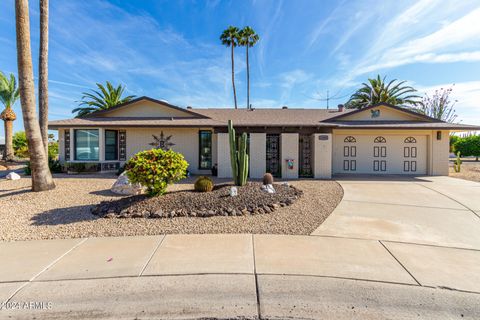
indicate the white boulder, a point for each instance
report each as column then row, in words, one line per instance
column 12, row 176
column 124, row 187
column 268, row 188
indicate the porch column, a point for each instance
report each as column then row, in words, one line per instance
column 289, row 150
column 322, row 155
column 258, row 155
column 101, row 144
column 223, row 156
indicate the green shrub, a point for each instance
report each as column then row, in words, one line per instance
column 468, row 146
column 155, row 169
column 53, row 150
column 54, row 165
column 203, row 184
column 453, row 140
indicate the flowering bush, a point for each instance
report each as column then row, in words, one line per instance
column 155, row 169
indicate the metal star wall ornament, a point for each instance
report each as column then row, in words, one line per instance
column 162, row 142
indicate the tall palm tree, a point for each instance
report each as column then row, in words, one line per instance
column 230, row 38
column 43, row 73
column 9, row 94
column 41, row 176
column 377, row 90
column 248, row 38
column 102, row 99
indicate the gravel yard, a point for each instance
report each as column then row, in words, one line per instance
column 65, row 211
column 470, row 170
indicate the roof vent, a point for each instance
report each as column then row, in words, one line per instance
column 340, row 107
column 285, row 107
column 163, row 100
column 189, row 107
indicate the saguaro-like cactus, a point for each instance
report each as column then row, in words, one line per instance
column 238, row 156
column 457, row 163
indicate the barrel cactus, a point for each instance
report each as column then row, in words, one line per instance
column 267, row 178
column 203, row 184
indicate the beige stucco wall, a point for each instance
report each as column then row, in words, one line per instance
column 440, row 150
column 258, row 154
column 322, row 156
column 432, row 155
column 145, row 108
column 289, row 150
column 386, row 113
column 185, row 140
column 223, row 156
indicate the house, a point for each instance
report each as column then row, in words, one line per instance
column 288, row 142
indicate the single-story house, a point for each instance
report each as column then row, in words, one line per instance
column 287, row 142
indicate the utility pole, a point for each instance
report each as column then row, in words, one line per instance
column 328, row 98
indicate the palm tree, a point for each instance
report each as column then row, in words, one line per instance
column 376, row 91
column 41, row 177
column 9, row 94
column 230, row 38
column 248, row 38
column 43, row 73
column 102, row 99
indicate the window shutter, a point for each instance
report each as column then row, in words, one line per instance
column 67, row 145
column 122, row 145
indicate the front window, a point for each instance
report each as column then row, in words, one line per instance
column 205, row 149
column 111, row 145
column 86, row 144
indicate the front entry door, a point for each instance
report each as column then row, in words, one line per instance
column 273, row 155
column 305, row 153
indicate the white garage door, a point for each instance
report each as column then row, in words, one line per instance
column 380, row 154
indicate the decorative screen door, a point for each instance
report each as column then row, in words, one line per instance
column 305, row 153
column 273, row 154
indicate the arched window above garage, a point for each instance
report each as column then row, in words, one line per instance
column 380, row 140
column 350, row 139
column 410, row 140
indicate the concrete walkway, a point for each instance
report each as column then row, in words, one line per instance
column 386, row 252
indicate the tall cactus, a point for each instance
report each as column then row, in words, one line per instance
column 238, row 156
column 457, row 163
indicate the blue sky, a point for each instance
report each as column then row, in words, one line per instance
column 170, row 49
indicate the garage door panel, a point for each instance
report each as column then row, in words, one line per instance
column 391, row 154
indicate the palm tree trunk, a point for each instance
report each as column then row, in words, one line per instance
column 8, row 140
column 41, row 176
column 43, row 73
column 248, row 81
column 233, row 79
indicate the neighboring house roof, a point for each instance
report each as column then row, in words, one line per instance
column 258, row 117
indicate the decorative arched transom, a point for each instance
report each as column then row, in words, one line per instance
column 349, row 139
column 380, row 140
column 410, row 140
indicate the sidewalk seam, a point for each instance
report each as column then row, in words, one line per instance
column 45, row 269
column 411, row 275
column 151, row 256
column 256, row 279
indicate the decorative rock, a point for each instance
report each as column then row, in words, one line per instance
column 137, row 215
column 268, row 188
column 275, row 206
column 13, row 176
column 124, row 187
column 110, row 215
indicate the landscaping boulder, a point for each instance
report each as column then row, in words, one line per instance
column 13, row 176
column 124, row 187
column 268, row 188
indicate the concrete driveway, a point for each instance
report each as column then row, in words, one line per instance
column 438, row 211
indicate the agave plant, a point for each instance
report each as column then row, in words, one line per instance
column 377, row 91
column 102, row 99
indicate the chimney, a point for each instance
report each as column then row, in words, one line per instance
column 340, row 108
column 189, row 107
column 284, row 107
